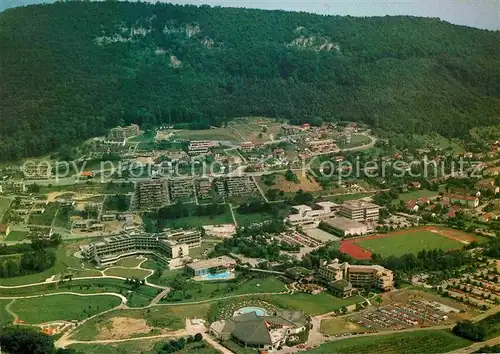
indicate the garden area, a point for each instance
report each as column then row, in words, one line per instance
column 45, row 218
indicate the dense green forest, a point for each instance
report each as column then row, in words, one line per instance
column 71, row 70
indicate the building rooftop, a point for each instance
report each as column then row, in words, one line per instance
column 343, row 223
column 212, row 262
column 359, row 204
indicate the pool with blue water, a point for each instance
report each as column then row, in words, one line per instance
column 218, row 276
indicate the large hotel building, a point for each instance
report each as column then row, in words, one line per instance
column 163, row 247
column 358, row 275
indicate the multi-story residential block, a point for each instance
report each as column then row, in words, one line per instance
column 37, row 170
column 307, row 216
column 203, row 188
column 152, row 193
column 360, row 276
column 199, row 147
column 235, row 186
column 247, row 145
column 161, row 246
column 122, row 133
column 43, row 232
column 360, row 210
column 181, row 188
column 12, row 187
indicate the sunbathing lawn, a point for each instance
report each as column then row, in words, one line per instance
column 16, row 235
column 408, row 243
column 62, row 307
column 314, row 304
column 127, row 272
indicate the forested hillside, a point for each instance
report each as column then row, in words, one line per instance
column 71, row 70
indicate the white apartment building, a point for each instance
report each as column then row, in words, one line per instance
column 360, row 210
column 306, row 216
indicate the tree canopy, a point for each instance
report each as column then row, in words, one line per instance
column 72, row 70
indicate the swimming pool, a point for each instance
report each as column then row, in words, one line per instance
column 259, row 311
column 218, row 276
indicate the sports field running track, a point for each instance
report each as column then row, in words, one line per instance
column 354, row 250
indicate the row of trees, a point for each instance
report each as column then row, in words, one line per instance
column 34, row 257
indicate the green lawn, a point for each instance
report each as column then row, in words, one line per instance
column 156, row 317
column 144, row 346
column 197, row 221
column 415, row 194
column 46, row 218
column 136, row 298
column 314, row 304
column 129, row 262
column 4, row 206
column 431, row 341
column 5, row 317
column 16, row 235
column 64, row 260
column 438, row 141
column 358, row 140
column 245, row 219
column 212, row 290
column 127, row 272
column 223, row 134
column 343, row 198
column 412, row 242
column 62, row 307
column 147, row 136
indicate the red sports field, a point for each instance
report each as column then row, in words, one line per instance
column 406, row 241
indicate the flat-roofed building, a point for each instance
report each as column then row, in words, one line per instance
column 152, row 193
column 359, row 210
column 344, row 227
column 308, row 217
column 200, row 147
column 211, row 266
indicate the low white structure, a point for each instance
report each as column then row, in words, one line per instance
column 306, row 216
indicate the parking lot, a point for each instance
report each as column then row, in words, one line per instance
column 397, row 316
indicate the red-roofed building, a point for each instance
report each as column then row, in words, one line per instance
column 88, row 174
